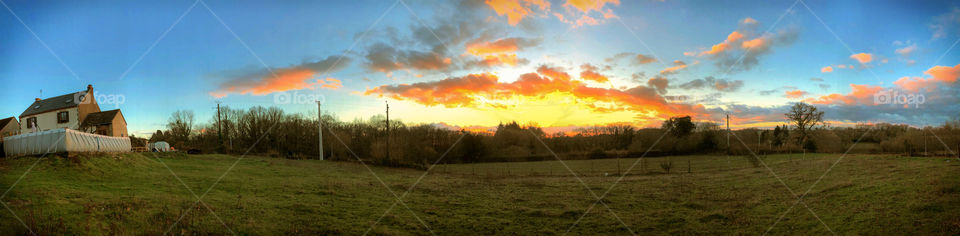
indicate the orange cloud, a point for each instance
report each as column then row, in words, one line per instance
column 479, row 90
column 447, row 92
column 678, row 65
column 500, row 51
column 915, row 84
column 939, row 74
column 826, row 69
column 794, row 94
column 296, row 77
column 864, row 94
column 285, row 80
column 754, row 43
column 508, row 45
column 859, row 94
column 748, row 44
column 581, row 10
column 863, row 58
column 725, row 45
column 586, row 6
column 516, row 10
column 589, row 72
column 554, row 73
column 499, row 59
column 330, row 83
column 944, row 74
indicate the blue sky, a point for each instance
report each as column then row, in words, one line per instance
column 100, row 40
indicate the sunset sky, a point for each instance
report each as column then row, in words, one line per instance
column 478, row 63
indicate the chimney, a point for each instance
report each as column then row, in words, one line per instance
column 36, row 99
column 89, row 87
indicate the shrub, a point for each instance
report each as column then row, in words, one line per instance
column 810, row 145
column 597, row 154
column 666, row 166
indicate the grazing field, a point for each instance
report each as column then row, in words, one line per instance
column 138, row 194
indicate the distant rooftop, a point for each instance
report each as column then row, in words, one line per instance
column 6, row 121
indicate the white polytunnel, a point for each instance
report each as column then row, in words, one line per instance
column 63, row 140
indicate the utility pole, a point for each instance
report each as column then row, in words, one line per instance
column 320, row 129
column 728, row 141
column 388, row 129
column 759, row 137
column 728, row 134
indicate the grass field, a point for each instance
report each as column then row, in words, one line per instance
column 137, row 194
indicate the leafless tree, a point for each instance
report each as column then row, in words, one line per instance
column 805, row 117
column 180, row 125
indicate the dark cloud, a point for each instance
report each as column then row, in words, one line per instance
column 777, row 90
column 721, row 85
column 425, row 47
column 659, row 83
column 641, row 59
column 638, row 77
column 262, row 81
column 383, row 58
column 744, row 53
column 946, row 24
column 635, row 58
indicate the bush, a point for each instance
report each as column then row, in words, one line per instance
column 597, row 154
column 828, row 141
column 666, row 166
column 810, row 145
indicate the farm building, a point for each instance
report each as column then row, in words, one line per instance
column 9, row 126
column 72, row 111
column 110, row 123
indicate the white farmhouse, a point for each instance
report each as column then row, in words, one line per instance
column 72, row 111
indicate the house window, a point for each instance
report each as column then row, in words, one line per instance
column 63, row 117
column 30, row 122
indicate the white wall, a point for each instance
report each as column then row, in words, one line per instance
column 48, row 120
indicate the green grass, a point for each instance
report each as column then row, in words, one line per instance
column 137, row 194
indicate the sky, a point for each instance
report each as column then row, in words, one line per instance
column 478, row 63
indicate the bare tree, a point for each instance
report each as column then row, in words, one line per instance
column 180, row 125
column 805, row 117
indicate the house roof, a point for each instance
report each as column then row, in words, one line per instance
column 54, row 103
column 100, row 118
column 4, row 122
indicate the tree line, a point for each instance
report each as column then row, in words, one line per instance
column 273, row 132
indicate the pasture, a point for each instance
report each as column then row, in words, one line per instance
column 138, row 194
